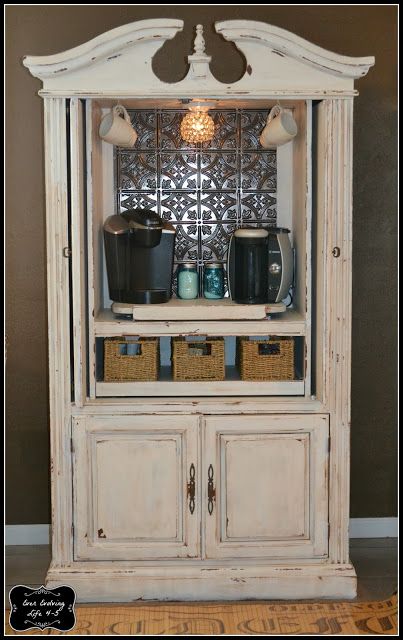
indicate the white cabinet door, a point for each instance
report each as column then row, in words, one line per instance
column 134, row 477
column 265, row 485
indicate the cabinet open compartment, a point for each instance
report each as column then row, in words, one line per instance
column 263, row 188
column 192, row 365
column 279, row 197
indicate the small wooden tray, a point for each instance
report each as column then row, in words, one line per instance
column 198, row 309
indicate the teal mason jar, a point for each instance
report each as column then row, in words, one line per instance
column 213, row 281
column 188, row 281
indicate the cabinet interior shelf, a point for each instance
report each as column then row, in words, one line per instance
column 292, row 323
column 232, row 385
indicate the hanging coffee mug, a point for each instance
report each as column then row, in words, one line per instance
column 116, row 129
column 280, row 128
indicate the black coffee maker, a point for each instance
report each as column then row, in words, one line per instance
column 260, row 265
column 139, row 249
column 247, row 267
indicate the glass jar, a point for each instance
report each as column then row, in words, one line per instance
column 188, row 281
column 213, row 281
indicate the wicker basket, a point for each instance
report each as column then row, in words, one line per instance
column 271, row 359
column 201, row 360
column 122, row 363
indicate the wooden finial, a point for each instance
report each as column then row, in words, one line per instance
column 199, row 61
column 199, row 43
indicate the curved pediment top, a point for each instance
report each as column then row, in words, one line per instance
column 119, row 63
column 105, row 46
column 288, row 44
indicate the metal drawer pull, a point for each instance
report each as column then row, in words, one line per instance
column 191, row 488
column 210, row 489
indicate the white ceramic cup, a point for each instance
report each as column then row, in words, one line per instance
column 116, row 129
column 280, row 128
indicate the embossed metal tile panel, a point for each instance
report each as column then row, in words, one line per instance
column 206, row 190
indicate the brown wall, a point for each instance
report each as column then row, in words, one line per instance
column 350, row 30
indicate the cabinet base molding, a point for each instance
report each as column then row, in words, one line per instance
column 125, row 584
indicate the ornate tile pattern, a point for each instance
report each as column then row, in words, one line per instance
column 206, row 190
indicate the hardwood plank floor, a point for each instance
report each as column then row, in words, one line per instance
column 375, row 560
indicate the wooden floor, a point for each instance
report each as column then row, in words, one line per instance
column 375, row 560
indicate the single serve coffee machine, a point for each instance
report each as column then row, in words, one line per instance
column 260, row 265
column 139, row 249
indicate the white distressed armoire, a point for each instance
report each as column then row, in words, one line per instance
column 200, row 490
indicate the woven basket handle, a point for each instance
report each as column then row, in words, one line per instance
column 265, row 349
column 204, row 348
column 124, row 352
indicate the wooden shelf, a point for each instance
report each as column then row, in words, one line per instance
column 198, row 309
column 232, row 385
column 290, row 323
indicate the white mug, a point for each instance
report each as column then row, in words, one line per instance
column 280, row 128
column 117, row 130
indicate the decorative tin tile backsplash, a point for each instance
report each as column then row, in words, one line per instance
column 206, row 190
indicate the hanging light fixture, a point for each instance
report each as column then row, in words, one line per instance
column 198, row 126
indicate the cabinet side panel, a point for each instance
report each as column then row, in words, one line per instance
column 321, row 144
column 338, row 312
column 302, row 212
column 78, row 241
column 94, row 229
column 58, row 325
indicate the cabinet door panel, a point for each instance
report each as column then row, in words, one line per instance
column 265, row 475
column 131, row 484
column 270, row 475
column 142, row 472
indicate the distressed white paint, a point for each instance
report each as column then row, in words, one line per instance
column 78, row 248
column 130, row 487
column 183, row 582
column 302, row 225
column 57, row 240
column 243, row 431
column 118, row 63
column 199, row 309
column 93, row 205
column 280, row 59
column 285, row 185
column 213, row 388
column 290, row 323
column 320, row 150
column 338, row 311
column 270, row 477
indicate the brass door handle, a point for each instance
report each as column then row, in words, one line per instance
column 210, row 489
column 191, row 488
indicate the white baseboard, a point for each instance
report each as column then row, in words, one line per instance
column 359, row 528
column 373, row 527
column 27, row 534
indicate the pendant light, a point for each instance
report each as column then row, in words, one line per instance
column 198, row 126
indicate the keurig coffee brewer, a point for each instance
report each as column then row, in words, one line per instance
column 139, row 248
column 260, row 265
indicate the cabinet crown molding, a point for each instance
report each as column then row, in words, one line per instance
column 103, row 48
column 118, row 63
column 284, row 43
